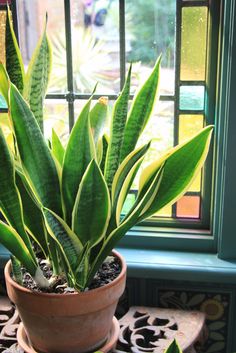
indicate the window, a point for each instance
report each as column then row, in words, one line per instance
column 187, row 32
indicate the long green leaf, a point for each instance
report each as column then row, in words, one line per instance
column 57, row 148
column 37, row 77
column 37, row 162
column 92, row 206
column 140, row 111
column 33, row 218
column 119, row 116
column 105, row 143
column 10, row 201
column 182, row 164
column 98, row 118
column 13, row 242
column 68, row 242
column 14, row 62
column 4, row 83
column 173, row 348
column 80, row 151
column 128, row 222
column 124, row 170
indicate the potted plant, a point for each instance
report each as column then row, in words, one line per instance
column 62, row 205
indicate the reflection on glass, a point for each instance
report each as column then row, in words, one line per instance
column 95, row 44
column 150, row 30
column 188, row 207
column 56, row 117
column 2, row 35
column 188, row 126
column 192, row 97
column 31, row 18
column 193, row 48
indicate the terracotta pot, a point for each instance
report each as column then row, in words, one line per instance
column 67, row 323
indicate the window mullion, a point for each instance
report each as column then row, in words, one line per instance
column 122, row 42
column 69, row 64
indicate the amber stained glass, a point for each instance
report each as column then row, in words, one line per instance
column 188, row 207
column 188, row 126
column 194, row 44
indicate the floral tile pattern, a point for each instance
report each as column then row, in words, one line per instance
column 215, row 306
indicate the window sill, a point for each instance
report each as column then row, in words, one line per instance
column 171, row 265
column 176, row 265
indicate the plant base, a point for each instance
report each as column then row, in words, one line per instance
column 110, row 344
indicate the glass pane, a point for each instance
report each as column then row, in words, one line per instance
column 31, row 18
column 56, row 117
column 188, row 207
column 192, row 97
column 165, row 212
column 150, row 30
column 128, row 203
column 95, row 44
column 2, row 35
column 160, row 129
column 3, row 103
column 193, row 48
column 6, row 128
column 188, row 126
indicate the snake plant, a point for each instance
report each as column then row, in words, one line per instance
column 68, row 200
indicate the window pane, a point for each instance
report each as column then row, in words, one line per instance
column 159, row 130
column 188, row 126
column 56, row 117
column 150, row 30
column 192, row 97
column 188, row 207
column 95, row 45
column 31, row 20
column 193, row 49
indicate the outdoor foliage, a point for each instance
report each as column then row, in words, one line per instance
column 152, row 22
column 68, row 199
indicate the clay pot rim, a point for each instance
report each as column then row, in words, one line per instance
column 57, row 295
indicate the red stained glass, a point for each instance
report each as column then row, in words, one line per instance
column 4, row 2
column 188, row 207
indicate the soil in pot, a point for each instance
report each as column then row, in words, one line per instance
column 109, row 270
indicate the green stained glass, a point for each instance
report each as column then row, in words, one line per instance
column 2, row 102
column 194, row 43
column 188, row 126
column 128, row 203
column 192, row 97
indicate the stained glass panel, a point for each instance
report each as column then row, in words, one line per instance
column 2, row 35
column 192, row 97
column 193, row 49
column 188, row 126
column 188, row 207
